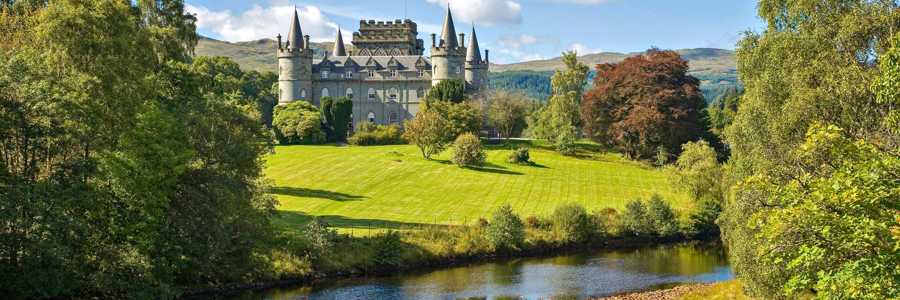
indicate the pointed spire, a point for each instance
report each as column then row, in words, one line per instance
column 448, row 35
column 339, row 49
column 474, row 53
column 295, row 36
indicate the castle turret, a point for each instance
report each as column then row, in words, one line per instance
column 339, row 49
column 476, row 68
column 294, row 66
column 448, row 56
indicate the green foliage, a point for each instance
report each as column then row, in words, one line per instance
column 698, row 172
column 653, row 218
column 369, row 134
column 507, row 111
column 635, row 220
column 337, row 117
column 722, row 110
column 826, row 74
column 128, row 173
column 428, row 131
column 298, row 123
column 505, row 230
column 452, row 91
column 572, row 223
column 321, row 238
column 388, row 250
column 467, row 151
column 532, row 83
column 520, row 156
column 460, row 118
column 560, row 121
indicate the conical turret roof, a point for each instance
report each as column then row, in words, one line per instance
column 474, row 53
column 339, row 49
column 295, row 36
column 448, row 35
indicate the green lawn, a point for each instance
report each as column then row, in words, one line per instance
column 358, row 189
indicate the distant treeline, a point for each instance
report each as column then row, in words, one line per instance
column 536, row 84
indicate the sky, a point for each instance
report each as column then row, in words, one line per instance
column 514, row 30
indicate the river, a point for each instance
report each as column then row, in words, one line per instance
column 569, row 276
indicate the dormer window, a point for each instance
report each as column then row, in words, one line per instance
column 371, row 73
column 324, row 74
column 420, row 73
column 393, row 73
column 349, row 74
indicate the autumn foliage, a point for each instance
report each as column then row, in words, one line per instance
column 644, row 104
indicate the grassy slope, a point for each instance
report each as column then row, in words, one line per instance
column 383, row 187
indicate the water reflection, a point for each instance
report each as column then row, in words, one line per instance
column 572, row 276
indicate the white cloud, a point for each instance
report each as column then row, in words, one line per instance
column 258, row 22
column 581, row 49
column 517, row 41
column 484, row 12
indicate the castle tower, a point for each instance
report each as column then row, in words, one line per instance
column 448, row 56
column 339, row 49
column 476, row 68
column 294, row 65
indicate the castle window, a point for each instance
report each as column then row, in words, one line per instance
column 371, row 117
column 349, row 93
column 393, row 73
column 325, row 92
column 371, row 73
column 349, row 74
column 303, row 94
column 420, row 93
column 324, row 74
column 392, row 118
column 458, row 70
column 371, row 94
column 420, row 73
column 392, row 94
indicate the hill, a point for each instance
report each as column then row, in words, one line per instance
column 256, row 55
column 393, row 187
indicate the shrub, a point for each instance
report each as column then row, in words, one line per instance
column 572, row 222
column 428, row 131
column 534, row 222
column 321, row 238
column 388, row 250
column 607, row 221
column 506, row 230
column 662, row 217
column 481, row 223
column 298, row 123
column 369, row 134
column 635, row 220
column 519, row 156
column 468, row 151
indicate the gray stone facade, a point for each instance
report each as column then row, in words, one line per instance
column 388, row 76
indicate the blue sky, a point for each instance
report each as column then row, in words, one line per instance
column 514, row 30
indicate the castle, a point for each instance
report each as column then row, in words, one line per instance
column 386, row 75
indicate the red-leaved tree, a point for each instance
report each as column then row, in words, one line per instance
column 645, row 105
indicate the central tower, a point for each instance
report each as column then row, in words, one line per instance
column 448, row 55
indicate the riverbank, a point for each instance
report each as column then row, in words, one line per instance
column 730, row 290
column 434, row 263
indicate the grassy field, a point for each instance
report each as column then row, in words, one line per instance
column 359, row 189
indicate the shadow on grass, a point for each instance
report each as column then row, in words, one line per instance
column 488, row 169
column 313, row 193
column 296, row 220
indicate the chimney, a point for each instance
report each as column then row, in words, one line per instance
column 487, row 57
column 306, row 41
column 433, row 42
column 462, row 40
column 279, row 41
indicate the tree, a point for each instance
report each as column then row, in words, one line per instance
column 644, row 102
column 336, row 112
column 573, row 223
column 722, row 110
column 298, row 123
column 507, row 111
column 698, row 172
column 829, row 56
column 559, row 122
column 506, row 230
column 467, row 151
column 460, row 118
column 453, row 91
column 428, row 132
column 662, row 217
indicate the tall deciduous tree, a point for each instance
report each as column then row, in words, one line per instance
column 645, row 103
column 815, row 63
column 560, row 122
column 507, row 112
column 428, row 131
